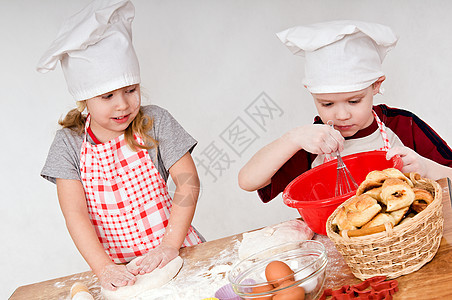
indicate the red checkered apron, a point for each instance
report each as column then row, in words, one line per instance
column 127, row 199
column 384, row 136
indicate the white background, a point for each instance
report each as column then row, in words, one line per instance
column 204, row 61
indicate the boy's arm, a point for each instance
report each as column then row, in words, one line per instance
column 316, row 139
column 416, row 134
column 259, row 170
column 413, row 162
column 72, row 200
column 436, row 171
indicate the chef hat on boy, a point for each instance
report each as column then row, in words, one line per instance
column 95, row 49
column 341, row 56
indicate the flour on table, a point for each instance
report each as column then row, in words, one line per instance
column 259, row 240
column 149, row 281
column 59, row 284
column 88, row 278
column 196, row 281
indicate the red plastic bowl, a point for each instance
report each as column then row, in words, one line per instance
column 312, row 193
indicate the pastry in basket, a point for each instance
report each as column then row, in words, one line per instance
column 367, row 185
column 341, row 220
column 422, row 198
column 374, row 193
column 383, row 246
column 395, row 173
column 375, row 179
column 393, row 217
column 357, row 212
column 377, row 176
column 384, row 199
column 396, row 194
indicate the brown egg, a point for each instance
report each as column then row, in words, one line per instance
column 279, row 272
column 262, row 289
column 293, row 293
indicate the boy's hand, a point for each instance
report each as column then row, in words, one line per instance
column 316, row 138
column 113, row 276
column 157, row 257
column 412, row 162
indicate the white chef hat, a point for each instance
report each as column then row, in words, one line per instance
column 95, row 49
column 341, row 56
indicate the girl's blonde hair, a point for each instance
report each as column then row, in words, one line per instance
column 141, row 125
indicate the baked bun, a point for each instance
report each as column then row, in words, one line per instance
column 377, row 176
column 397, row 215
column 368, row 185
column 341, row 220
column 375, row 179
column 362, row 210
column 379, row 219
column 395, row 173
column 422, row 198
column 375, row 193
column 384, row 199
column 396, row 194
column 393, row 217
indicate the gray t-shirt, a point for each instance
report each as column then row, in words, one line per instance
column 63, row 160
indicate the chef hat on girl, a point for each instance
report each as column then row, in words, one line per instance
column 95, row 49
column 341, row 56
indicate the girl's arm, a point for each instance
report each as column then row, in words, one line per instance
column 316, row 138
column 71, row 196
column 185, row 177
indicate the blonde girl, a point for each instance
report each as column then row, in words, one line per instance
column 112, row 158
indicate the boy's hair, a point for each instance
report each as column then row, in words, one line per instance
column 141, row 125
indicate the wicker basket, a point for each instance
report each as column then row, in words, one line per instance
column 397, row 251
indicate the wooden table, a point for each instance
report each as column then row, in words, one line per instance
column 206, row 265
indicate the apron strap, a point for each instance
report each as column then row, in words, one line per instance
column 384, row 135
column 87, row 122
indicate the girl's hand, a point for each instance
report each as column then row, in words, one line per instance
column 113, row 276
column 316, row 138
column 157, row 257
column 412, row 162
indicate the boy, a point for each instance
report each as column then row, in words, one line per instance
column 343, row 73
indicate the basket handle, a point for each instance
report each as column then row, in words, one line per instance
column 347, row 234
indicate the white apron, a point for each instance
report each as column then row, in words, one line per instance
column 381, row 127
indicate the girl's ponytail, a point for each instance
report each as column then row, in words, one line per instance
column 74, row 119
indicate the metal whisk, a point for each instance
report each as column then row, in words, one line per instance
column 345, row 183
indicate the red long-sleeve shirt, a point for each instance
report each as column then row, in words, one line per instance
column 410, row 129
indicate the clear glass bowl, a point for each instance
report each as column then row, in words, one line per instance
column 307, row 259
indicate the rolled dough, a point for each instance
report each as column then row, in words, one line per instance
column 153, row 280
column 259, row 240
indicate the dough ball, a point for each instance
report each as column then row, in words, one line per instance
column 145, row 282
column 259, row 240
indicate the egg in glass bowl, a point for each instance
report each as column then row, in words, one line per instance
column 294, row 270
